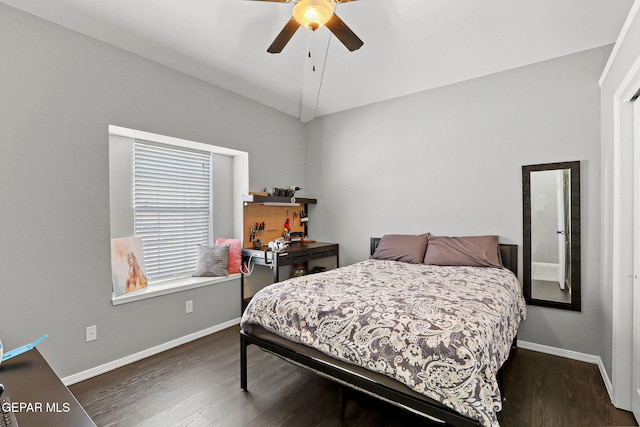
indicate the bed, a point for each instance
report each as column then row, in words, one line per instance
column 430, row 338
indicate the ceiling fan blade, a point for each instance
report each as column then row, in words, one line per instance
column 285, row 35
column 344, row 33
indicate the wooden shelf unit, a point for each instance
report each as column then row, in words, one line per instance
column 256, row 198
column 273, row 212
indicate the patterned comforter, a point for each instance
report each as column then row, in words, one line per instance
column 442, row 331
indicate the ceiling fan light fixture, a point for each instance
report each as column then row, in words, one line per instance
column 313, row 14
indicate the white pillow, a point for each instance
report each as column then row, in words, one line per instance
column 212, row 261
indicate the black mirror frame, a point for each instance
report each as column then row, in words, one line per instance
column 574, row 167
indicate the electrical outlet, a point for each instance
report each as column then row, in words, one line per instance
column 92, row 333
column 189, row 306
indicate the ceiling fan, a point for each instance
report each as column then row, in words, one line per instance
column 313, row 14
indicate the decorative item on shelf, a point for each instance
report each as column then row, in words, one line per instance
column 282, row 192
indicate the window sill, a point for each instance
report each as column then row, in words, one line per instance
column 170, row 286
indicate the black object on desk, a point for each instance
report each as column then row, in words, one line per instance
column 37, row 395
column 294, row 254
column 7, row 416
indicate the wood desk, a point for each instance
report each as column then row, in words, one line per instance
column 295, row 253
column 29, row 381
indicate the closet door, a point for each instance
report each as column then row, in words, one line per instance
column 635, row 398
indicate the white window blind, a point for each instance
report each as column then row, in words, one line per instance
column 172, row 207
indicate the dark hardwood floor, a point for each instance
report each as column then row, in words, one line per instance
column 198, row 384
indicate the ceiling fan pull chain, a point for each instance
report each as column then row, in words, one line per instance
column 313, row 47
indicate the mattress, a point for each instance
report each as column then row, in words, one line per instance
column 442, row 332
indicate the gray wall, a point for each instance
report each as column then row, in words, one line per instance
column 59, row 92
column 628, row 53
column 448, row 161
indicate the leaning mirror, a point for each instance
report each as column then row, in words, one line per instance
column 551, row 224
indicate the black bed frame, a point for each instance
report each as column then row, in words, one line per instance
column 422, row 406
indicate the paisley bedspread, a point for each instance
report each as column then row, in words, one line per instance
column 442, row 331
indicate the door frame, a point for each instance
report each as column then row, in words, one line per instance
column 635, row 369
column 561, row 235
column 623, row 240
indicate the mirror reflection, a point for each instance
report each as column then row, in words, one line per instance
column 551, row 240
column 550, row 235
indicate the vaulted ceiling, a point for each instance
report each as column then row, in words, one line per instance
column 409, row 45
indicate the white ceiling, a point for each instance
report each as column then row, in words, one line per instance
column 409, row 45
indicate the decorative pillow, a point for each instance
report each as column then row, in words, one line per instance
column 475, row 251
column 212, row 261
column 235, row 253
column 402, row 247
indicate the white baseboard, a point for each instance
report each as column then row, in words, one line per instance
column 544, row 271
column 606, row 379
column 98, row 370
column 574, row 355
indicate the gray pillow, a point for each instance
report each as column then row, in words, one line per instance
column 402, row 247
column 475, row 251
column 212, row 261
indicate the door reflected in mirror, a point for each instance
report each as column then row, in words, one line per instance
column 550, row 235
column 551, row 198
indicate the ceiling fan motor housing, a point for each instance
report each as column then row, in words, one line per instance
column 313, row 14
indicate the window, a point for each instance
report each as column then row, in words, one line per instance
column 172, row 207
column 164, row 190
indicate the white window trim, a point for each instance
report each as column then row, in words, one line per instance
column 240, row 187
column 170, row 286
